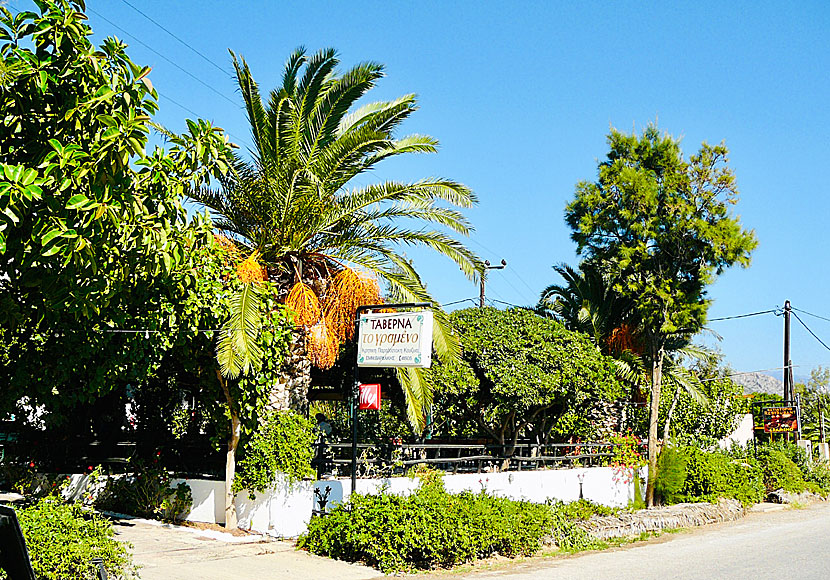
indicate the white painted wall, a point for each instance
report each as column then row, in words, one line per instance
column 286, row 510
column 283, row 512
column 742, row 435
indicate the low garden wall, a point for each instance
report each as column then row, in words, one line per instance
column 286, row 510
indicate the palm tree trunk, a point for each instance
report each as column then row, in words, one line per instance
column 291, row 388
column 656, row 378
column 230, row 458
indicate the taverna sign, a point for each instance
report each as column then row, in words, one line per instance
column 395, row 339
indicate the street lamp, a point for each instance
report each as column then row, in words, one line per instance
column 487, row 266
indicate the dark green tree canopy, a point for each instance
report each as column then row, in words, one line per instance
column 521, row 372
column 662, row 225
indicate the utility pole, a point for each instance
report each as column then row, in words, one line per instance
column 487, row 266
column 788, row 387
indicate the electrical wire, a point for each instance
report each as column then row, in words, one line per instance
column 749, row 373
column 797, row 317
column 204, row 57
column 160, row 55
column 473, row 300
column 742, row 315
column 811, row 314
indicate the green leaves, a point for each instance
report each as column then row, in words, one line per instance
column 77, row 189
column 237, row 349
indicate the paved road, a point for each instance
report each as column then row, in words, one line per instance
column 782, row 545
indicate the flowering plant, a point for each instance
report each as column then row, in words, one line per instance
column 625, row 456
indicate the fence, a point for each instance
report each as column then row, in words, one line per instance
column 391, row 459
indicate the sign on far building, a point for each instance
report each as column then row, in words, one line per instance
column 783, row 419
column 395, row 339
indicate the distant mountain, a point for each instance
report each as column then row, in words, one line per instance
column 759, row 383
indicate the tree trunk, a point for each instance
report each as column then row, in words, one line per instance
column 656, row 378
column 230, row 459
column 667, row 424
column 290, row 391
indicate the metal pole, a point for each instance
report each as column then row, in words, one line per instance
column 788, row 395
column 355, row 398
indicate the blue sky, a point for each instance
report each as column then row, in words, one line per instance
column 521, row 96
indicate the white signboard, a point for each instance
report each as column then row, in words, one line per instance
column 395, row 339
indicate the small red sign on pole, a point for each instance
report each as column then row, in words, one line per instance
column 369, row 397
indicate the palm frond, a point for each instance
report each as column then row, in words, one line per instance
column 237, row 349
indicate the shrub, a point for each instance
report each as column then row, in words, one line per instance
column 780, row 472
column 817, row 475
column 64, row 538
column 671, row 474
column 583, row 509
column 146, row 493
column 710, row 476
column 432, row 528
column 283, row 444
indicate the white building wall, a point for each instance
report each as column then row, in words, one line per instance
column 286, row 510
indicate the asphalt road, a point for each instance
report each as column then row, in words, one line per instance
column 782, row 545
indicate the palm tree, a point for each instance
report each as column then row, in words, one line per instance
column 300, row 213
column 588, row 303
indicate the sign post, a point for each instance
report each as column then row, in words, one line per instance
column 388, row 339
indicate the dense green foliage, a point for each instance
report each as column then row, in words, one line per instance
column 96, row 238
column 780, row 472
column 281, row 444
column 521, row 373
column 63, row 538
column 815, row 404
column 671, row 475
column 688, row 473
column 709, row 417
column 661, row 226
column 432, row 528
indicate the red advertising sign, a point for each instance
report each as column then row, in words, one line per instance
column 369, row 397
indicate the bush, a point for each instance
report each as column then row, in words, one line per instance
column 283, row 444
column 584, row 509
column 146, row 493
column 817, row 475
column 64, row 538
column 714, row 475
column 671, row 474
column 780, row 472
column 432, row 528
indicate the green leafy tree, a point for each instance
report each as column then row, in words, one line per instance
column 298, row 208
column 85, row 211
column 708, row 412
column 94, row 238
column 521, row 373
column 662, row 225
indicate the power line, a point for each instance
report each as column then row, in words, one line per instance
column 742, row 315
column 811, row 314
column 205, row 58
column 749, row 373
column 810, row 331
column 458, row 302
column 160, row 55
